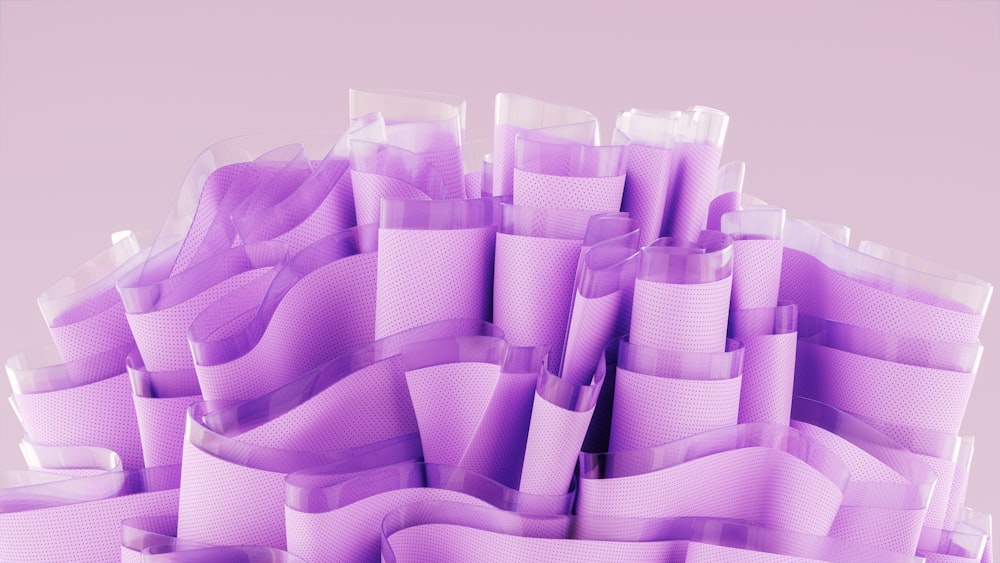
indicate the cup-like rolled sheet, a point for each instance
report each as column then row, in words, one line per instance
column 317, row 306
column 562, row 167
column 682, row 294
column 515, row 113
column 662, row 395
column 435, row 262
column 161, row 400
column 728, row 193
column 757, row 252
column 770, row 338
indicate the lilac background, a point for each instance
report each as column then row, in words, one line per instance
column 881, row 114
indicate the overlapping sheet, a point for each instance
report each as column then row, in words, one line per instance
column 392, row 344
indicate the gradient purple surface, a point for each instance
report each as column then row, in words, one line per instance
column 881, row 114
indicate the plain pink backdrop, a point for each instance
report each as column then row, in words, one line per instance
column 883, row 115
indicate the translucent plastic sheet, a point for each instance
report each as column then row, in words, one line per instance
column 336, row 337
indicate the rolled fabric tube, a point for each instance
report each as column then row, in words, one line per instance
column 770, row 338
column 965, row 542
column 428, row 125
column 537, row 252
column 75, row 404
column 560, row 416
column 662, row 395
column 886, row 501
column 602, row 297
column 472, row 397
column 562, row 167
column 380, row 171
column 766, row 473
column 478, row 168
column 728, row 193
column 435, row 262
column 757, row 252
column 447, row 531
column 237, row 454
column 514, row 113
column 694, row 169
column 682, row 294
column 49, row 518
column 652, row 135
column 317, row 306
column 334, row 513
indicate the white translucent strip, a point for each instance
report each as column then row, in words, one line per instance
column 230, row 151
column 70, row 460
column 407, row 105
column 530, row 113
column 704, row 125
column 650, row 127
column 755, row 222
column 906, row 275
column 96, row 275
column 731, row 178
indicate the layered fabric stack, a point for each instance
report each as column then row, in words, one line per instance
column 379, row 345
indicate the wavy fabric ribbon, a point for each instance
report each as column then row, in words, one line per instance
column 391, row 344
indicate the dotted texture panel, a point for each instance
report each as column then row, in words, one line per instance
column 705, row 553
column 592, row 325
column 533, row 290
column 97, row 414
column 938, row 507
column 896, row 394
column 763, row 485
column 448, row 162
column 85, row 532
column 503, row 158
column 824, row 293
column 448, row 542
column 768, row 378
column 450, row 401
column 334, row 214
column 162, row 335
column 216, row 186
column 98, row 333
column 327, row 313
column 650, row 411
column 368, row 406
column 222, row 503
column 554, row 440
column 694, row 170
column 161, row 427
column 647, row 178
column 675, row 316
column 568, row 192
column 473, row 184
column 956, row 499
column 756, row 273
column 353, row 532
column 427, row 276
column 370, row 189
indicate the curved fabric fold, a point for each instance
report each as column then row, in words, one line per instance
column 435, row 262
column 346, row 504
column 355, row 405
column 757, row 252
column 317, row 306
column 562, row 167
column 764, row 473
column 728, row 193
column 161, row 400
column 71, row 404
column 770, row 338
column 445, row 531
column 514, row 113
column 79, row 519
